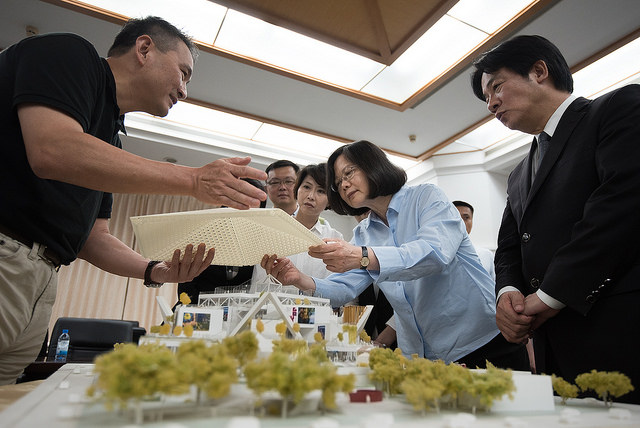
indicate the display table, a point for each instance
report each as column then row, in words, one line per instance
column 9, row 394
column 60, row 401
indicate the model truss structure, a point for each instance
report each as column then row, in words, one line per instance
column 232, row 310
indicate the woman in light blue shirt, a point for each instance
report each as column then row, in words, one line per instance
column 414, row 245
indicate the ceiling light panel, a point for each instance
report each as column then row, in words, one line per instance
column 441, row 47
column 487, row 15
column 213, row 120
column 609, row 72
column 254, row 38
column 487, row 134
column 200, row 19
column 296, row 141
column 402, row 162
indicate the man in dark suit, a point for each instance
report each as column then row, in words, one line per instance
column 567, row 264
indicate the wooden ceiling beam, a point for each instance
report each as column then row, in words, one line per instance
column 425, row 24
column 382, row 37
column 268, row 15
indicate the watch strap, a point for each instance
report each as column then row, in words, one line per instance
column 147, row 275
column 364, row 261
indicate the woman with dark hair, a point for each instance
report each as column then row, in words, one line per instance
column 414, row 245
column 312, row 199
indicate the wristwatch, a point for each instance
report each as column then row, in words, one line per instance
column 147, row 275
column 364, row 261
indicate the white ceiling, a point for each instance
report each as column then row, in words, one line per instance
column 580, row 28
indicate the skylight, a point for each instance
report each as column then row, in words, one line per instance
column 425, row 60
column 464, row 27
column 251, row 37
column 201, row 19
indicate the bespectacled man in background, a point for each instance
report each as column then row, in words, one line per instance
column 281, row 178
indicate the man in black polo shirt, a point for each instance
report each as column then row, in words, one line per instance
column 61, row 107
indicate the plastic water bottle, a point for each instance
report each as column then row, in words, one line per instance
column 63, row 346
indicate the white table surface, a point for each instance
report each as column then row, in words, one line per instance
column 60, row 401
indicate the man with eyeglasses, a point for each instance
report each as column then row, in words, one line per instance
column 281, row 179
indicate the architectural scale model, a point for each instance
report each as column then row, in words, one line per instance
column 233, row 310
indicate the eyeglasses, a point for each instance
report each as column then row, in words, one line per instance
column 348, row 175
column 289, row 182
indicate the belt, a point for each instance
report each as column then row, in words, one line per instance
column 48, row 253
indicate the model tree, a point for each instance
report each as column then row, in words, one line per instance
column 209, row 367
column 184, row 299
column 421, row 386
column 491, row 385
column 454, row 378
column 292, row 376
column 290, row 346
column 188, row 330
column 133, row 372
column 331, row 383
column 607, row 385
column 165, row 329
column 259, row 325
column 318, row 351
column 279, row 372
column 352, row 332
column 563, row 388
column 243, row 346
column 388, row 367
column 281, row 328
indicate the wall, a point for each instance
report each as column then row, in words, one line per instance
column 464, row 177
column 486, row 192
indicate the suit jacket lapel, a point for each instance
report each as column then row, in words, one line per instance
column 568, row 123
column 524, row 184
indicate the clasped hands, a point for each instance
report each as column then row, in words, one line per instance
column 517, row 317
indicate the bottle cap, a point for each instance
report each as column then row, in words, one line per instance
column 65, row 331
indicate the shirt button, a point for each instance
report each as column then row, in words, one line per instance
column 535, row 282
column 526, row 237
column 591, row 298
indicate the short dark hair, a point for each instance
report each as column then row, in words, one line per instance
column 518, row 55
column 463, row 204
column 383, row 177
column 164, row 35
column 259, row 185
column 281, row 164
column 316, row 171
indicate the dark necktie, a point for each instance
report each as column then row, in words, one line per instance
column 544, row 140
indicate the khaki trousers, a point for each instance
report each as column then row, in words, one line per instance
column 27, row 293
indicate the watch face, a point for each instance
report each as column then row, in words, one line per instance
column 364, row 262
